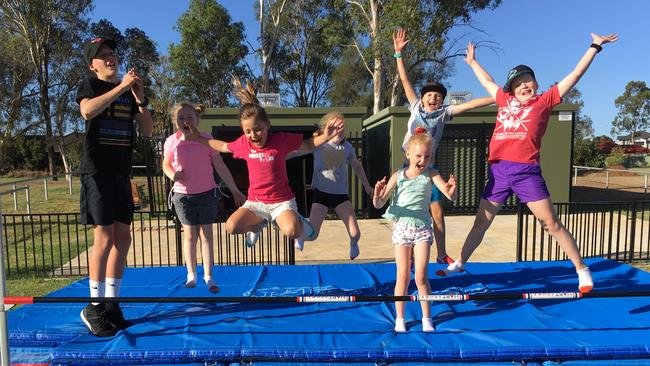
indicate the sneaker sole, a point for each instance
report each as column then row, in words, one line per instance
column 90, row 328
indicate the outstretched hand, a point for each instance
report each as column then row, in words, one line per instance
column 399, row 39
column 333, row 128
column 239, row 198
column 380, row 188
column 601, row 40
column 469, row 57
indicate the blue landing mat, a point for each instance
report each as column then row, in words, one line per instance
column 485, row 332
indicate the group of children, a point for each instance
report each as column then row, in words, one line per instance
column 110, row 106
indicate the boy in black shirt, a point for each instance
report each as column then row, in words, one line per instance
column 109, row 107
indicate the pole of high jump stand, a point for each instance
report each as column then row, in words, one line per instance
column 4, row 334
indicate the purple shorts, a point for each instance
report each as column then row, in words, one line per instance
column 508, row 177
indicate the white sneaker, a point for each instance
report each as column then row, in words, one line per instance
column 251, row 237
column 298, row 244
column 585, row 282
column 308, row 229
column 400, row 325
column 452, row 268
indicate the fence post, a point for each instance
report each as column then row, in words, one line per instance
column 45, row 187
column 632, row 231
column 575, row 176
column 606, row 179
column 69, row 176
column 15, row 198
column 4, row 333
column 645, row 183
column 29, row 206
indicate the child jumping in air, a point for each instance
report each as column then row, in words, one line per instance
column 330, row 183
column 269, row 196
column 514, row 154
column 427, row 111
column 189, row 164
column 412, row 231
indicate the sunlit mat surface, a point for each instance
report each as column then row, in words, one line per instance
column 489, row 332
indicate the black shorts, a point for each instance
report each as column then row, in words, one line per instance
column 329, row 200
column 106, row 198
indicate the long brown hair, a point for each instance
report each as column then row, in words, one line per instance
column 250, row 107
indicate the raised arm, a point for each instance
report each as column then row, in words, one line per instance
column 329, row 132
column 383, row 190
column 483, row 77
column 399, row 42
column 358, row 170
column 571, row 80
column 448, row 188
column 474, row 103
column 224, row 173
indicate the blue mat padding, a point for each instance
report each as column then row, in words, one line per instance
column 488, row 332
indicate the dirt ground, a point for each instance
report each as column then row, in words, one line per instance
column 592, row 188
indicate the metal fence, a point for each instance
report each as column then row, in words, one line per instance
column 615, row 230
column 48, row 245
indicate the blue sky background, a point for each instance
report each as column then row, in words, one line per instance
column 550, row 36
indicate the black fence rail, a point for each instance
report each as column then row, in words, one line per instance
column 615, row 230
column 48, row 245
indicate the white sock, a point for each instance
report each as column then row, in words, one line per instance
column 427, row 325
column 113, row 286
column 191, row 280
column 585, row 282
column 400, row 325
column 97, row 289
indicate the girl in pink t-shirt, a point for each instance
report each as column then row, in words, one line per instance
column 189, row 164
column 269, row 196
column 514, row 154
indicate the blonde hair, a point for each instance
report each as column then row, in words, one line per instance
column 197, row 108
column 250, row 105
column 325, row 120
column 420, row 139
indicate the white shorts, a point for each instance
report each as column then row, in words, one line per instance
column 270, row 211
column 408, row 234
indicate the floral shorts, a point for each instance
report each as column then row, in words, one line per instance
column 409, row 234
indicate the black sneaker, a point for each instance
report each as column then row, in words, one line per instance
column 115, row 316
column 94, row 316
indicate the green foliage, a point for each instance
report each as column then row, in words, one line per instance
column 352, row 84
column 585, row 153
column 616, row 157
column 633, row 109
column 211, row 51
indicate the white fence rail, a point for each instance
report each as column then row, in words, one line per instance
column 577, row 168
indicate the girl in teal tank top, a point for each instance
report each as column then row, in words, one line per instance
column 409, row 210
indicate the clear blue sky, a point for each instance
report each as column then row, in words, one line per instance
column 550, row 36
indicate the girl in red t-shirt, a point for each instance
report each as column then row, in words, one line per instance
column 269, row 196
column 514, row 154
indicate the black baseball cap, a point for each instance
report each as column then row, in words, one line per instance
column 434, row 86
column 91, row 48
column 516, row 71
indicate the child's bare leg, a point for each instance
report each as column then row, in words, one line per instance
column 316, row 217
column 421, row 253
column 402, row 280
column 190, row 237
column 119, row 250
column 487, row 210
column 345, row 212
column 545, row 213
column 437, row 214
column 208, row 257
column 243, row 220
column 290, row 224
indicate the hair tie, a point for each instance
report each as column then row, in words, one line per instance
column 420, row 130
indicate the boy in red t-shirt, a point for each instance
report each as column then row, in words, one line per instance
column 269, row 196
column 514, row 154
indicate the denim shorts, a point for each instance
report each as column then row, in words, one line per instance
column 196, row 209
column 508, row 177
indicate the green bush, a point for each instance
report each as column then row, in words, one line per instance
column 585, row 153
column 616, row 157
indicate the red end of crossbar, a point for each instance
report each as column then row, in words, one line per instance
column 19, row 300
